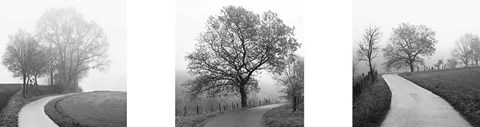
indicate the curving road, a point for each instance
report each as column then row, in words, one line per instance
column 413, row 106
column 244, row 118
column 33, row 114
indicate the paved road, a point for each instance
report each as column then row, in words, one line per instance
column 33, row 114
column 245, row 118
column 413, row 106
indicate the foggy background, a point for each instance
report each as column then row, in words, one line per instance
column 449, row 20
column 109, row 14
column 191, row 19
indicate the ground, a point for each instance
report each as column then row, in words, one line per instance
column 283, row 117
column 101, row 108
column 459, row 87
column 372, row 105
column 6, row 92
column 198, row 120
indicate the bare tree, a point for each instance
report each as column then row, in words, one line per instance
column 22, row 57
column 368, row 46
column 407, row 44
column 235, row 47
column 439, row 64
column 292, row 80
column 475, row 47
column 462, row 49
column 452, row 63
column 78, row 45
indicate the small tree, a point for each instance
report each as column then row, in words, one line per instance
column 475, row 49
column 23, row 57
column 452, row 63
column 439, row 64
column 368, row 46
column 407, row 44
column 292, row 80
column 236, row 45
column 462, row 49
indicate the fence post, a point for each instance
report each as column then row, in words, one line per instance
column 237, row 105
column 185, row 113
column 224, row 108
column 233, row 106
column 197, row 109
column 219, row 109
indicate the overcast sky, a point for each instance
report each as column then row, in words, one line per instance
column 109, row 14
column 192, row 15
column 449, row 19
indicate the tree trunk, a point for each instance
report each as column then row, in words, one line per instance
column 412, row 69
column 23, row 85
column 294, row 104
column 243, row 96
column 51, row 78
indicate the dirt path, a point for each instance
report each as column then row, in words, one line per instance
column 33, row 114
column 245, row 118
column 413, row 106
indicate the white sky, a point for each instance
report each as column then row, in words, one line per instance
column 109, row 14
column 449, row 19
column 191, row 17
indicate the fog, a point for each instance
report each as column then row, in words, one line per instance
column 191, row 18
column 449, row 19
column 109, row 14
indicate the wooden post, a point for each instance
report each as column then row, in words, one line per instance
column 197, row 109
column 259, row 103
column 233, row 106
column 185, row 113
column 237, row 105
column 219, row 109
column 224, row 108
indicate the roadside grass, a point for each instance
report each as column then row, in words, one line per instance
column 283, row 116
column 198, row 120
column 6, row 92
column 9, row 115
column 372, row 105
column 98, row 108
column 459, row 87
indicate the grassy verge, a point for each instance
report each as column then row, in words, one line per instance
column 459, row 87
column 99, row 108
column 371, row 106
column 6, row 92
column 283, row 117
column 9, row 115
column 198, row 120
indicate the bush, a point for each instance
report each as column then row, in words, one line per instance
column 372, row 104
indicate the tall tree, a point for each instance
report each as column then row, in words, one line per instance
column 368, row 46
column 439, row 64
column 408, row 44
column 78, row 45
column 236, row 45
column 291, row 79
column 475, row 47
column 22, row 57
column 463, row 49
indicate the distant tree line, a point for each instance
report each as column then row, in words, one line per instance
column 63, row 48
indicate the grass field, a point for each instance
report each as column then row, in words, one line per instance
column 283, row 117
column 459, row 87
column 103, row 108
column 372, row 104
column 198, row 120
column 6, row 92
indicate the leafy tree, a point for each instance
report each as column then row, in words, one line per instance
column 292, row 80
column 78, row 45
column 23, row 57
column 237, row 45
column 475, row 48
column 368, row 46
column 463, row 49
column 407, row 45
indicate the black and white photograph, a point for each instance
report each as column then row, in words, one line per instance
column 239, row 63
column 63, row 63
column 416, row 63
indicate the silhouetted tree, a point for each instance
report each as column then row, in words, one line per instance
column 368, row 46
column 407, row 44
column 78, row 45
column 439, row 64
column 292, row 80
column 463, row 50
column 236, row 45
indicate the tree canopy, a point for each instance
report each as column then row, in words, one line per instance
column 408, row 44
column 236, row 44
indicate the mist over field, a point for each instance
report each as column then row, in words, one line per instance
column 112, row 20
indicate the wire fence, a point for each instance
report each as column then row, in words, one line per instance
column 217, row 107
